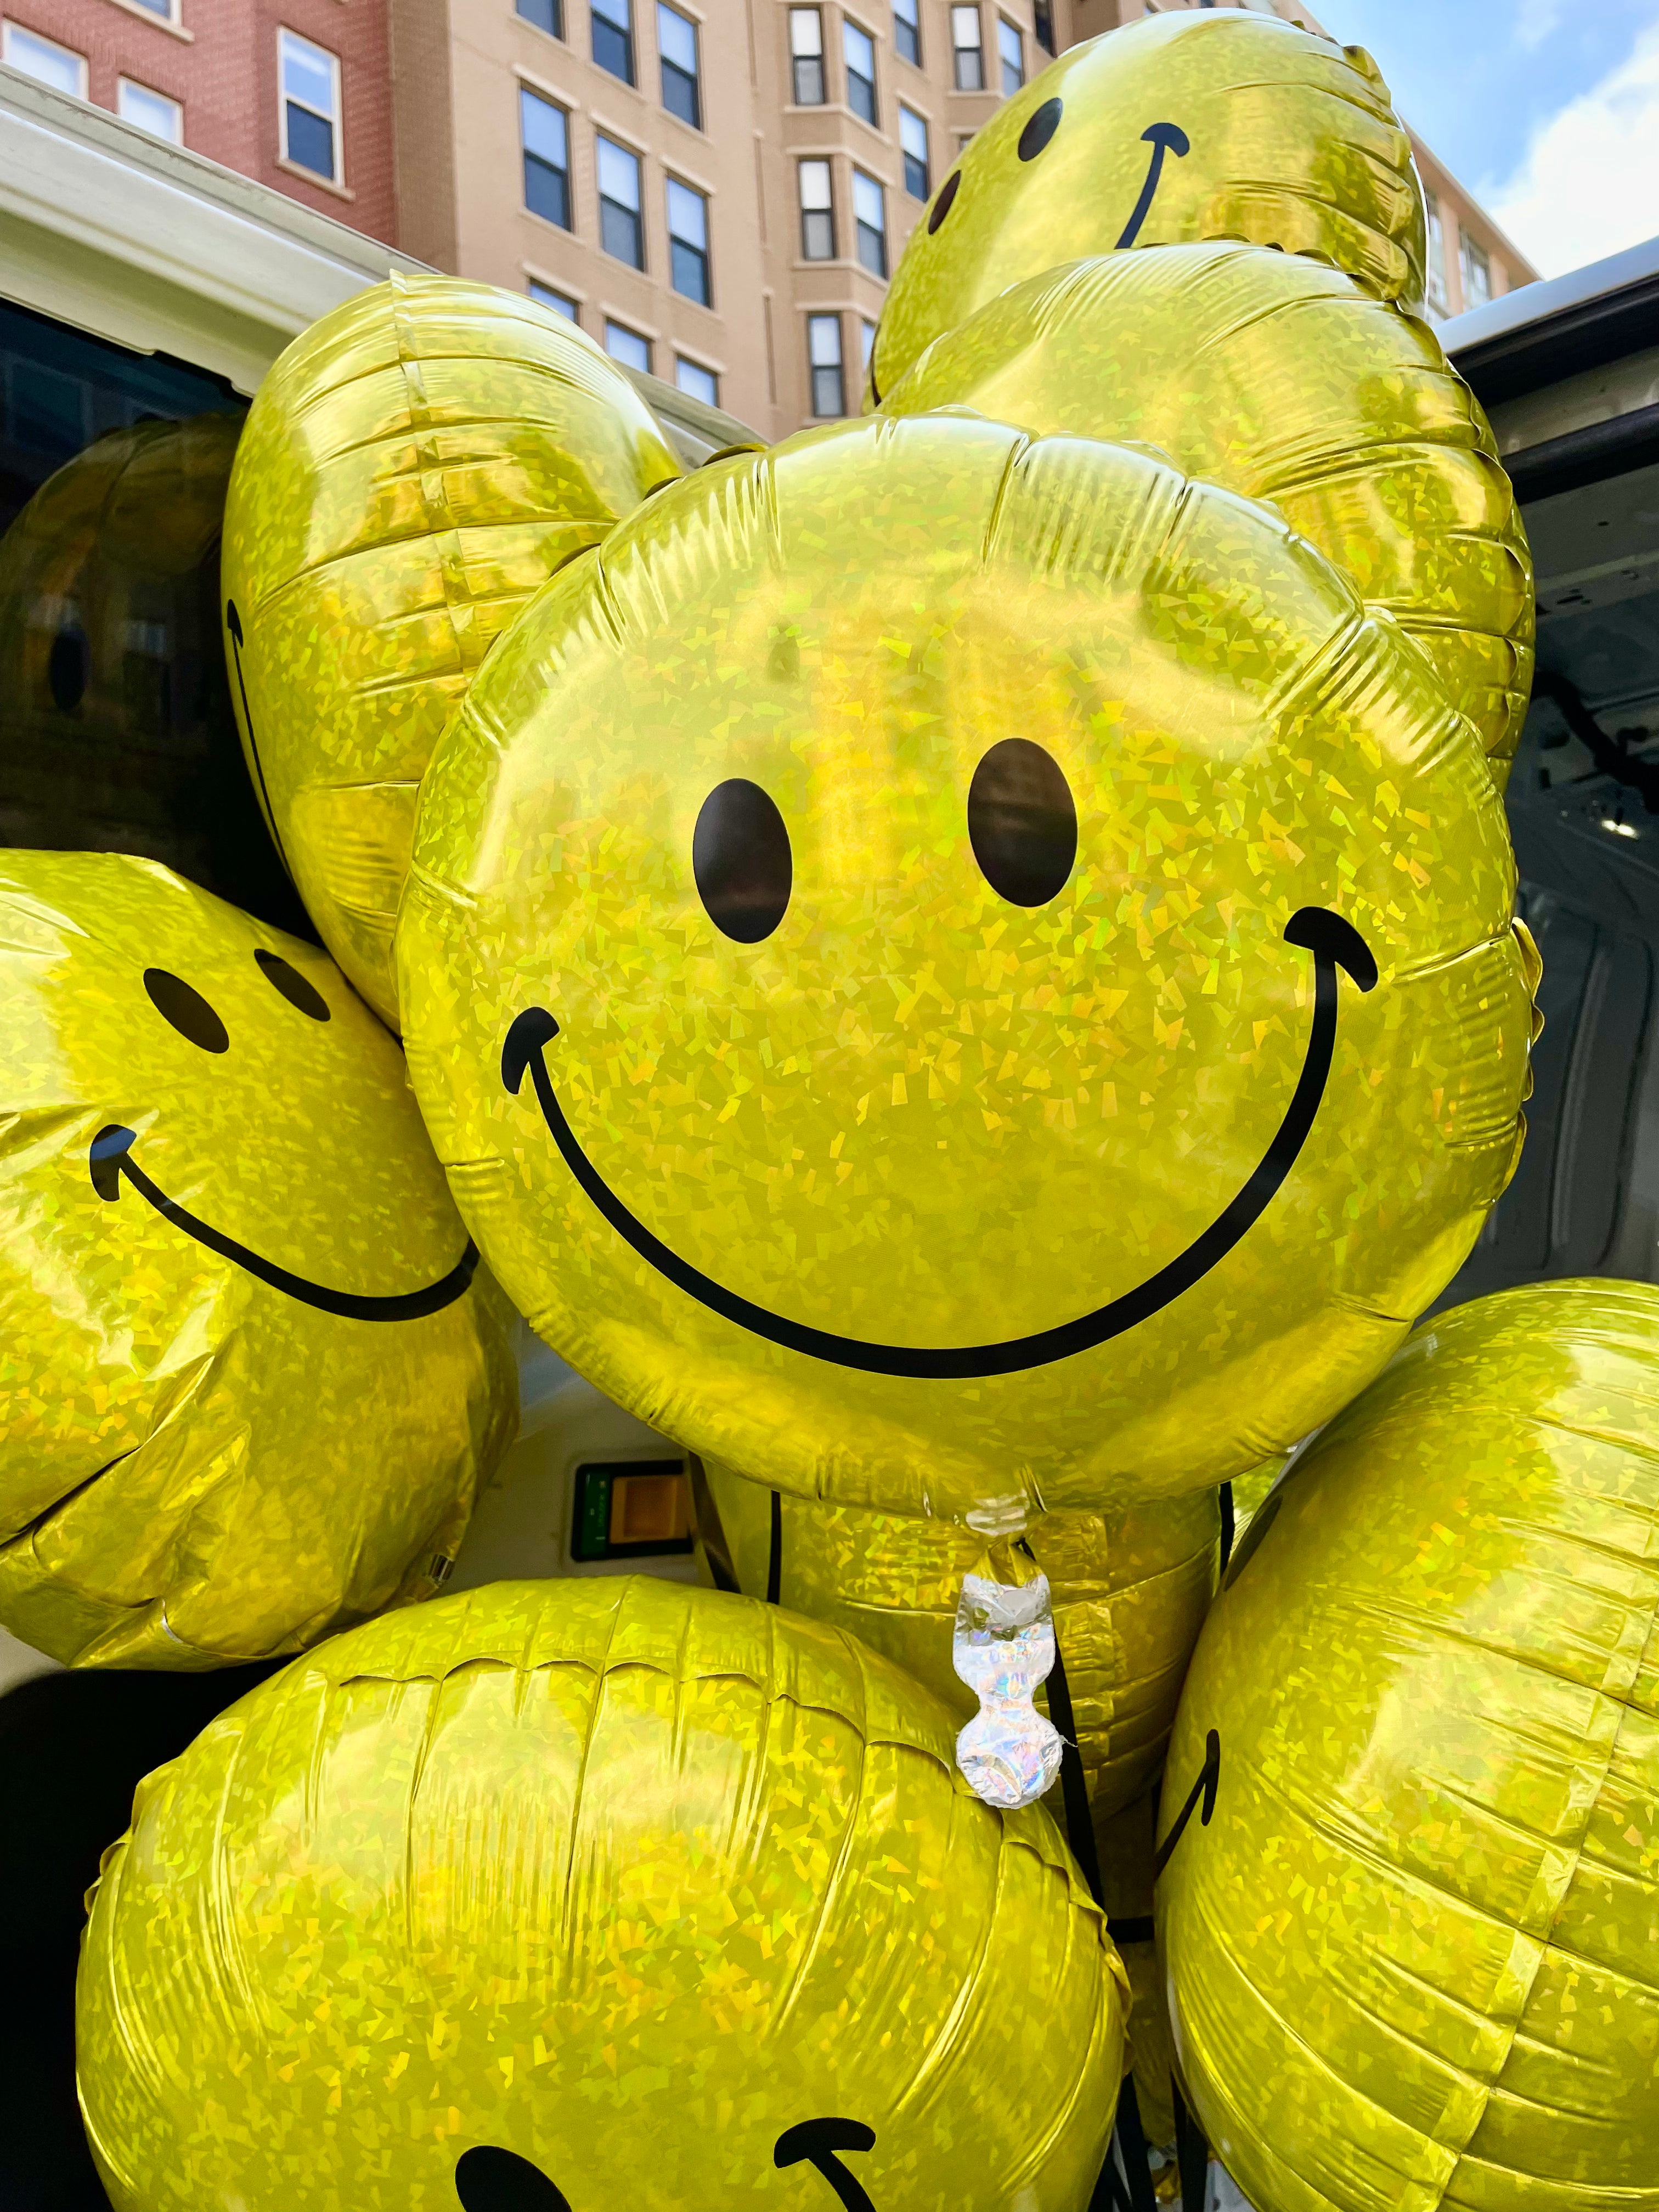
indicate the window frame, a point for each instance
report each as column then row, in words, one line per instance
column 603, row 143
column 694, row 76
column 528, row 93
column 809, row 210
column 683, row 362
column 555, row 9
column 906, row 32
column 815, row 368
column 802, row 56
column 877, row 230
column 1006, row 31
column 126, row 84
column 627, row 330
column 598, row 12
column 964, row 12
column 55, row 45
column 556, row 301
column 701, row 251
column 1470, row 254
column 284, row 99
column 850, row 31
column 911, row 161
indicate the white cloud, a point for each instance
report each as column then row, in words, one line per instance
column 1588, row 182
column 1535, row 19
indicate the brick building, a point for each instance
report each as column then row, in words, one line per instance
column 291, row 92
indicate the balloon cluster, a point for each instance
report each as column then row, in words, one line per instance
column 964, row 967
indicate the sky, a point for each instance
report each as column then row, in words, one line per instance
column 1546, row 110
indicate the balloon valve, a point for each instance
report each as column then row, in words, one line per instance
column 1003, row 1646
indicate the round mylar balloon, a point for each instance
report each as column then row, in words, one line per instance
column 1277, row 378
column 583, row 1894
column 253, row 1378
column 962, row 975
column 1412, row 1955
column 412, row 468
column 1178, row 127
column 1130, row 1591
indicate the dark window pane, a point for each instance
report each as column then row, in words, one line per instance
column 817, row 235
column 872, row 250
column 546, row 190
column 907, row 32
column 545, row 14
column 619, row 234
column 828, row 397
column 809, row 81
column 310, row 141
column 861, row 96
column 613, row 49
column 679, row 95
column 915, row 177
column 1043, row 16
column 690, row 271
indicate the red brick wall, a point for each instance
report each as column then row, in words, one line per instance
column 225, row 73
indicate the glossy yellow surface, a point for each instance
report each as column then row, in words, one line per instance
column 1272, row 376
column 1290, row 142
column 413, row 467
column 918, row 1115
column 1414, row 1957
column 196, row 1466
column 1130, row 1591
column 624, row 1878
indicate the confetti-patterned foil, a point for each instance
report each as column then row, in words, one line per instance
column 412, row 468
column 1130, row 1591
column 1413, row 1958
column 195, row 1465
column 916, row 1115
column 1277, row 378
column 626, row 1879
column 1289, row 142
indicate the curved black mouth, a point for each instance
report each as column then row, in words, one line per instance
column 112, row 1158
column 1334, row 943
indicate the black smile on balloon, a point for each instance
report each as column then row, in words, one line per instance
column 111, row 1159
column 1333, row 944
column 1163, row 139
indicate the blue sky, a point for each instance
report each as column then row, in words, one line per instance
column 1546, row 110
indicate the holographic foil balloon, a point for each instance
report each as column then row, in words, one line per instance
column 1174, row 128
column 612, row 1893
column 413, row 467
column 1130, row 1591
column 251, row 1378
column 1268, row 375
column 965, row 974
column 1412, row 1955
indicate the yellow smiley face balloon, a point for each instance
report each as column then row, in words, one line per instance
column 1409, row 1934
column 1284, row 381
column 1176, row 128
column 604, row 1893
column 413, row 467
column 253, row 1375
column 964, row 975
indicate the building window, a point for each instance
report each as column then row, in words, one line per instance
column 964, row 39
column 682, row 79
column 613, row 37
column 45, row 61
column 688, row 241
column 546, row 14
column 1043, row 19
column 1435, row 274
column 621, row 232
column 546, row 157
column 823, row 352
column 858, row 52
column 870, row 220
column 1011, row 49
column 806, row 56
column 311, row 106
column 867, row 343
column 1477, row 273
column 628, row 347
column 906, row 32
column 913, row 142
column 167, row 10
column 697, row 381
column 818, row 212
column 151, row 111
column 561, row 303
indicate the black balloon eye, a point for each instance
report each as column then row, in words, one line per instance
column 740, row 857
column 293, row 985
column 1022, row 821
column 68, row 668
column 1040, row 125
column 943, row 205
column 187, row 1010
column 490, row 2179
